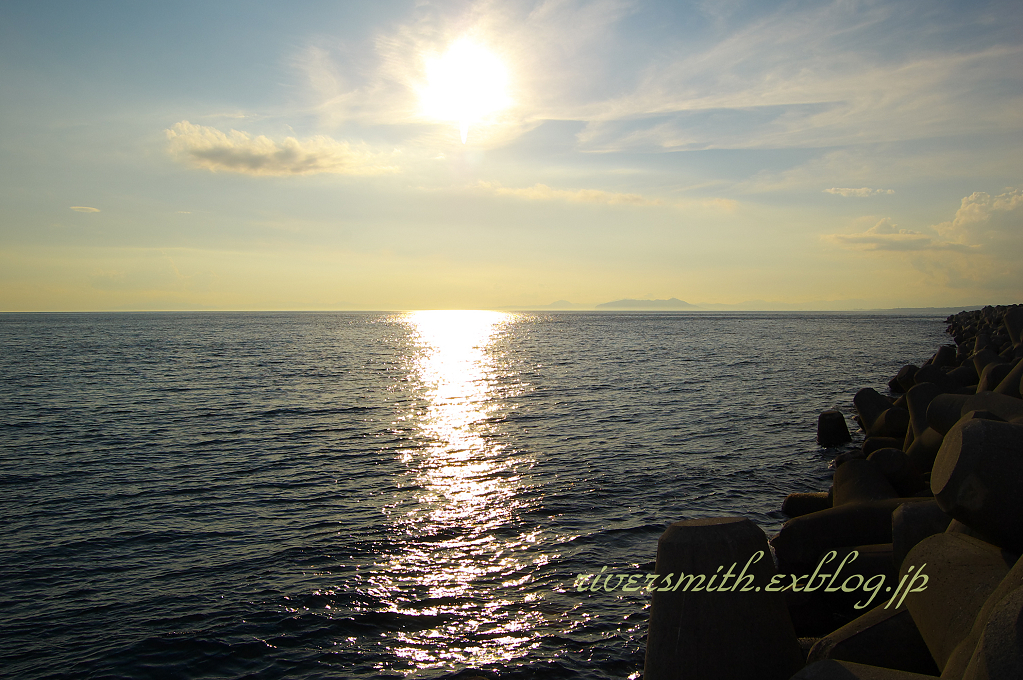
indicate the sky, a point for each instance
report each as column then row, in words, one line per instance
column 310, row 155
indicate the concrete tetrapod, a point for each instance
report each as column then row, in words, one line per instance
column 870, row 404
column 802, row 540
column 978, row 479
column 881, row 637
column 912, row 523
column 956, row 665
column 982, row 358
column 945, row 410
column 894, row 465
column 961, row 573
column 831, row 429
column 999, row 654
column 1011, row 383
column 904, row 377
column 893, row 422
column 918, row 399
column 861, row 480
column 800, row 503
column 716, row 629
column 1013, row 321
column 945, row 356
column 923, row 449
column 871, row 444
column 847, row 670
column 935, row 376
column 993, row 375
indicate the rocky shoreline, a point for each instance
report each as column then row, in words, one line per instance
column 906, row 568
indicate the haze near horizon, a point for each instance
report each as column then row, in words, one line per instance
column 484, row 155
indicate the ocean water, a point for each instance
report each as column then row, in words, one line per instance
column 342, row 495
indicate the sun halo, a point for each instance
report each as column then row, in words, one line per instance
column 465, row 85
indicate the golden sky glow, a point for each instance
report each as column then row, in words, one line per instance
column 465, row 85
column 512, row 155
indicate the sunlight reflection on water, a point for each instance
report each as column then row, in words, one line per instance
column 465, row 563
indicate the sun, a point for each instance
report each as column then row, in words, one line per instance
column 465, row 85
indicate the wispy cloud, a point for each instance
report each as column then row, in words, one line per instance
column 542, row 192
column 210, row 149
column 862, row 192
column 817, row 75
column 825, row 75
column 555, row 51
column 84, row 208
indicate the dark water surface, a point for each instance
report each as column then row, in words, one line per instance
column 389, row 495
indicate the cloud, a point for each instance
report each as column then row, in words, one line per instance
column 84, row 208
column 795, row 75
column 555, row 50
column 542, row 192
column 884, row 236
column 209, row 148
column 862, row 192
column 983, row 225
column 983, row 219
column 152, row 274
column 829, row 74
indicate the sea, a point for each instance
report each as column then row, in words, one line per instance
column 391, row 495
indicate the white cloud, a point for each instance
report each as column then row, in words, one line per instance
column 884, row 236
column 979, row 250
column 817, row 75
column 984, row 219
column 862, row 192
column 209, row 148
column 84, row 209
column 555, row 51
column 823, row 76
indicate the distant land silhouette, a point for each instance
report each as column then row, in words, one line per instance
column 674, row 304
column 563, row 305
column 651, row 305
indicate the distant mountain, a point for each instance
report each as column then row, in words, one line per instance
column 648, row 305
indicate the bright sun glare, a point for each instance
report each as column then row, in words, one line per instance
column 465, row 85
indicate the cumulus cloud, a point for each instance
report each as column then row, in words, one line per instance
column 983, row 225
column 209, row 148
column 84, row 208
column 862, row 192
column 982, row 218
column 885, row 236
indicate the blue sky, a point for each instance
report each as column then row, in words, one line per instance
column 280, row 156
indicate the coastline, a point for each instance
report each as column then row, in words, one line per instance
column 927, row 504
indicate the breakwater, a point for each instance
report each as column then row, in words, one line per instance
column 929, row 509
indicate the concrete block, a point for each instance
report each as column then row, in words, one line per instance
column 962, row 572
column 832, row 429
column 799, row 504
column 718, row 635
column 861, row 480
column 978, row 479
column 912, row 523
column 881, row 637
